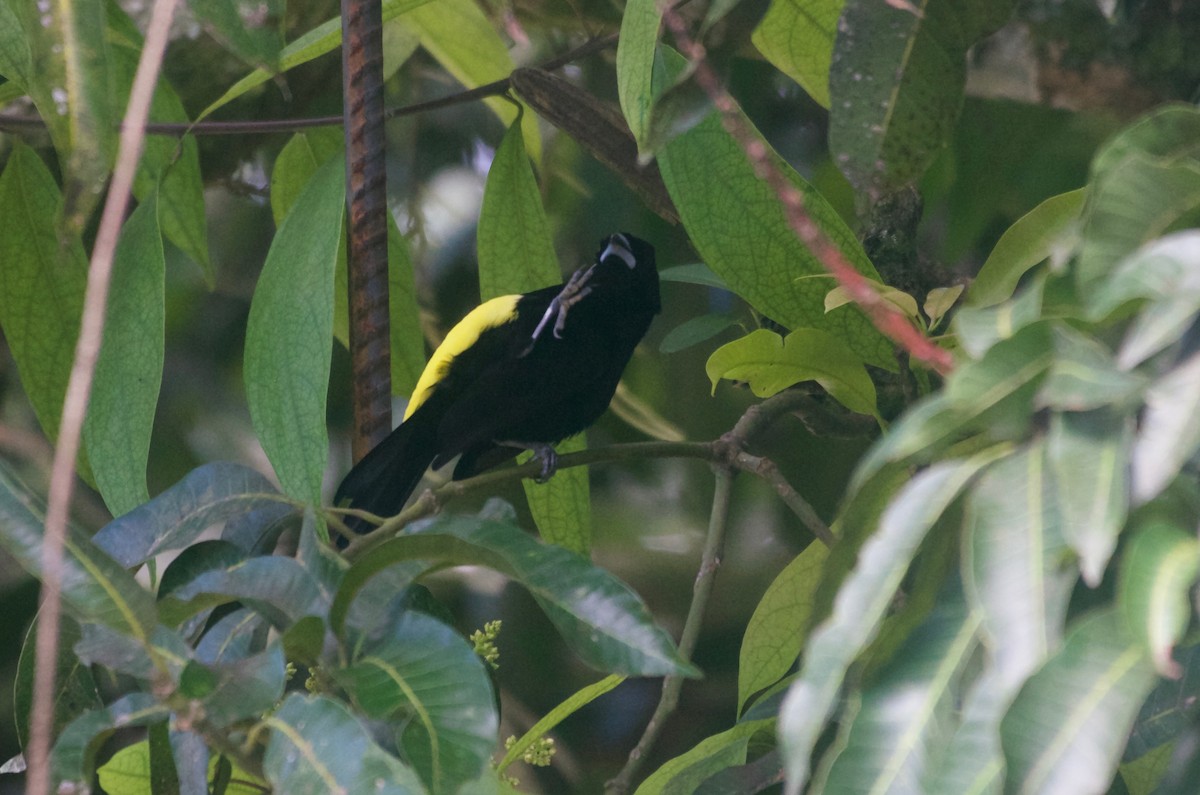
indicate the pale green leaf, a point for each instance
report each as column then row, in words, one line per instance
column 572, row 704
column 288, row 335
column 1157, row 574
column 638, row 41
column 797, row 37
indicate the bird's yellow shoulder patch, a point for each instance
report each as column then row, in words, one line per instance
column 487, row 315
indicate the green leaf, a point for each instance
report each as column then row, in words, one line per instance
column 1157, row 575
column 41, row 284
column 1034, row 237
column 1143, row 775
column 840, row 296
column 686, row 772
column 797, row 37
column 779, row 626
column 1005, row 369
column 694, row 331
column 1165, row 272
column 318, row 746
column 1067, row 726
column 738, row 226
column 75, row 690
column 407, row 338
column 279, row 588
column 209, row 494
column 73, row 758
column 1013, row 561
column 324, row 38
column 1088, row 456
column 129, row 371
column 1170, row 708
column 424, row 671
column 169, row 166
column 692, row 273
column 1143, row 181
column 860, row 605
column 288, row 335
column 568, row 707
column 127, row 772
column 636, row 45
column 902, row 719
column 599, row 617
column 16, row 61
column 939, row 301
column 771, row 363
column 253, row 31
column 94, row 586
column 1084, row 376
column 516, row 255
column 979, row 328
column 1169, row 431
column 240, row 689
column 462, row 39
column 896, row 84
column 69, row 84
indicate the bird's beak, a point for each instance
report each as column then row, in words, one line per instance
column 618, row 246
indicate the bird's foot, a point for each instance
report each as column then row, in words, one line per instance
column 545, row 454
column 574, row 291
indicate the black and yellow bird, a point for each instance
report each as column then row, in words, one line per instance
column 518, row 372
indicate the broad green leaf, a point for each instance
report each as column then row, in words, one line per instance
column 902, row 719
column 1157, row 575
column 75, row 688
column 1169, row 431
column 69, row 84
column 94, row 586
column 779, row 626
column 128, row 374
column 462, row 39
column 169, row 166
column 1065, row 731
column 771, row 363
column 288, row 335
column 1084, row 376
column 694, row 331
column 516, row 255
column 161, row 656
column 127, row 772
column 638, row 41
column 688, row 771
column 896, row 84
column 1165, row 272
column 692, row 273
column 1014, row 572
column 279, row 588
column 41, row 284
column 1088, row 457
column 797, row 37
column 738, row 226
column 1143, row 181
column 324, row 38
column 251, row 30
column 971, row 759
column 237, row 634
column 928, row 426
column 72, row 761
column 317, row 745
column 572, row 704
column 860, row 605
column 425, row 672
column 209, row 494
column 598, row 616
column 1032, row 239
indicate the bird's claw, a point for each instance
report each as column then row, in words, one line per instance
column 548, row 457
column 574, row 291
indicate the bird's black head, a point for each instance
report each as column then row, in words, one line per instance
column 625, row 264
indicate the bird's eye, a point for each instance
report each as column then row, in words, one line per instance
column 618, row 246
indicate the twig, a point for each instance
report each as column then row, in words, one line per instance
column 495, row 88
column 79, row 385
column 886, row 316
column 710, row 561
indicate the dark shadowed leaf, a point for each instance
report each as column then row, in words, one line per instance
column 73, row 759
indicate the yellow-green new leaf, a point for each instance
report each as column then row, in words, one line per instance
column 797, row 37
column 770, row 364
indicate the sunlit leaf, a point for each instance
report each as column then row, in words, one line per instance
column 797, row 37
column 635, row 64
column 1169, row 431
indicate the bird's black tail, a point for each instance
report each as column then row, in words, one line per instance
column 383, row 480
